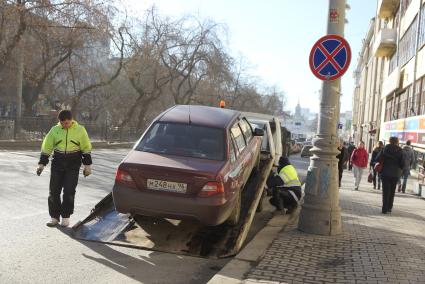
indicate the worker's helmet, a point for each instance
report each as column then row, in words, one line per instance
column 222, row 104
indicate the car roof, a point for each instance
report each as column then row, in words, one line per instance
column 200, row 115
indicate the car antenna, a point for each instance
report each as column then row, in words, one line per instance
column 189, row 115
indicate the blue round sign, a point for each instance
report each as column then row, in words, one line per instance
column 330, row 57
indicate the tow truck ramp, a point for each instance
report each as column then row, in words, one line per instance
column 104, row 224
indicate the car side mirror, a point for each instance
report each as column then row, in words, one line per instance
column 258, row 132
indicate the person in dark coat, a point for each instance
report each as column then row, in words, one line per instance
column 351, row 149
column 342, row 160
column 409, row 159
column 376, row 176
column 391, row 171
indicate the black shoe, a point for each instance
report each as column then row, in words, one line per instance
column 389, row 210
column 384, row 212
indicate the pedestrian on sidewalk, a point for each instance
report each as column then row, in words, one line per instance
column 71, row 146
column 392, row 158
column 359, row 160
column 376, row 176
column 342, row 160
column 286, row 187
column 350, row 149
column 408, row 159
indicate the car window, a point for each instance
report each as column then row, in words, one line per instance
column 237, row 135
column 232, row 151
column 184, row 140
column 246, row 130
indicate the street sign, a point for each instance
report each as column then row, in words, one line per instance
column 330, row 57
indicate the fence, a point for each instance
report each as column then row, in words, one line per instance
column 35, row 128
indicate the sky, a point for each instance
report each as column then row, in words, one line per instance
column 276, row 37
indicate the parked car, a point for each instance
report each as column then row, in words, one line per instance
column 271, row 146
column 191, row 163
column 305, row 152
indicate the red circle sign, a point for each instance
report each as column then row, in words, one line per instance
column 330, row 57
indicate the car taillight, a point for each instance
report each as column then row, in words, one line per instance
column 211, row 188
column 123, row 177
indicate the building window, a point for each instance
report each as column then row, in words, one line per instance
column 410, row 101
column 408, row 44
column 392, row 63
column 416, row 100
column 388, row 110
column 422, row 27
column 422, row 111
column 401, row 105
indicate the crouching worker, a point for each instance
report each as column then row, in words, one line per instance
column 285, row 186
column 71, row 146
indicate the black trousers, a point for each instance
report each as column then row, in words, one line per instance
column 376, row 176
column 340, row 171
column 388, row 191
column 66, row 179
column 283, row 199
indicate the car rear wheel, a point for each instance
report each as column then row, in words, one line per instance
column 236, row 212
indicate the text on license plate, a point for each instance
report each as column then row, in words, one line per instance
column 167, row 185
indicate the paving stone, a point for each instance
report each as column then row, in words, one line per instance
column 373, row 248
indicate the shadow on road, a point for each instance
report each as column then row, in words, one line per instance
column 151, row 269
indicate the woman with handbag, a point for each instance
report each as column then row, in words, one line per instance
column 376, row 177
column 391, row 160
column 359, row 160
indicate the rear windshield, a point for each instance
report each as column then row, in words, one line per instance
column 184, row 140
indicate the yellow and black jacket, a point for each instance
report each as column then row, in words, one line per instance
column 70, row 146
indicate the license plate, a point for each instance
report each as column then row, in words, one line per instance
column 170, row 186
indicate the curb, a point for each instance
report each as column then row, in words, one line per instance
column 235, row 270
column 35, row 145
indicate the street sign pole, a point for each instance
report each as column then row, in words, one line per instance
column 321, row 213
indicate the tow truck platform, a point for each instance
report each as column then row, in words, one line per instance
column 104, row 224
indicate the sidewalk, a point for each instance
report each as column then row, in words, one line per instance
column 373, row 248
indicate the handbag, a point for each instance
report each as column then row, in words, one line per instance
column 379, row 165
column 370, row 178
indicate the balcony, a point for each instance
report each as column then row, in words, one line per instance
column 387, row 8
column 385, row 42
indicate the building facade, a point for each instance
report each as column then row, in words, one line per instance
column 389, row 92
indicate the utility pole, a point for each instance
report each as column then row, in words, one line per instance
column 320, row 213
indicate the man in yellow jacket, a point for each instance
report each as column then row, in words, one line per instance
column 286, row 187
column 70, row 145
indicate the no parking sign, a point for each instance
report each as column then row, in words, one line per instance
column 330, row 57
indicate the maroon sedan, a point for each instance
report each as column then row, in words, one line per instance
column 191, row 163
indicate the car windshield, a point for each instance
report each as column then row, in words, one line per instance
column 184, row 140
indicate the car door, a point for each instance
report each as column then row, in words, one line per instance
column 252, row 146
column 234, row 179
column 240, row 148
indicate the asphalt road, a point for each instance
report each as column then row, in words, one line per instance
column 33, row 253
